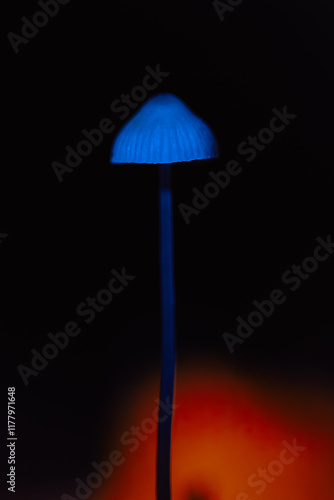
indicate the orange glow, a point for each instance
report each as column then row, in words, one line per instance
column 224, row 430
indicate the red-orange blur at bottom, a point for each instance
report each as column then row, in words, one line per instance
column 233, row 439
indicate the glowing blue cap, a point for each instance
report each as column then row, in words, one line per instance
column 164, row 130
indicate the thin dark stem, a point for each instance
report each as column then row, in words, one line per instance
column 168, row 333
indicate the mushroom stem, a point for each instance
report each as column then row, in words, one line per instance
column 168, row 332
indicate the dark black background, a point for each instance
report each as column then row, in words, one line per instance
column 63, row 239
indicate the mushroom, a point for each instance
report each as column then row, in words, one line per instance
column 162, row 132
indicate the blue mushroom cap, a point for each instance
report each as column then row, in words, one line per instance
column 164, row 130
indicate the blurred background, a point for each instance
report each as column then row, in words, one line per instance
column 65, row 238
